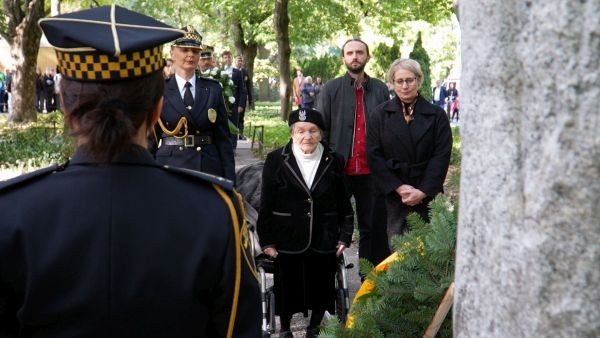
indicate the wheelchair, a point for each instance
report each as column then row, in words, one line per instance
column 265, row 266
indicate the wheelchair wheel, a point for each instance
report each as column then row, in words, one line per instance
column 342, row 300
column 271, row 311
column 341, row 309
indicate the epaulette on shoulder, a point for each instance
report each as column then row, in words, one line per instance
column 220, row 181
column 29, row 177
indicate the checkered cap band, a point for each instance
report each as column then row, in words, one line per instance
column 94, row 66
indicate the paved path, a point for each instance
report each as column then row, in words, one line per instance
column 243, row 157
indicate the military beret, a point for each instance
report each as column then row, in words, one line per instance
column 206, row 52
column 306, row 115
column 191, row 39
column 107, row 43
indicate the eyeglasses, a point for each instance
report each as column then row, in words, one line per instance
column 409, row 81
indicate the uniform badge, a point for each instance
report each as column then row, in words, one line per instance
column 302, row 115
column 212, row 115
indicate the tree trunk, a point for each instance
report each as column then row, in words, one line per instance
column 528, row 240
column 247, row 50
column 264, row 88
column 455, row 9
column 24, row 40
column 250, row 55
column 281, row 22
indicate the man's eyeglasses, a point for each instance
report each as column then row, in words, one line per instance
column 409, row 81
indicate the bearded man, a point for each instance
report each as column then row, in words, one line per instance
column 346, row 104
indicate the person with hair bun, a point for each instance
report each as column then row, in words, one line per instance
column 83, row 251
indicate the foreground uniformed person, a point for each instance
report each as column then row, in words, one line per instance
column 194, row 132
column 84, row 252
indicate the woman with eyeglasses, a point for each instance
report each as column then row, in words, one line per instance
column 409, row 142
column 305, row 221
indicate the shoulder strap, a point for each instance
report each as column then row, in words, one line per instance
column 242, row 240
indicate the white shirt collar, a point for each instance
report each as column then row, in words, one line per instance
column 181, row 84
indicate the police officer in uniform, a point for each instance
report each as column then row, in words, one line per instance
column 81, row 252
column 194, row 131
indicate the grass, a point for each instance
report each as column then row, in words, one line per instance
column 26, row 147
column 267, row 115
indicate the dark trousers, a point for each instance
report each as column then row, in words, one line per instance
column 49, row 101
column 240, row 124
column 371, row 216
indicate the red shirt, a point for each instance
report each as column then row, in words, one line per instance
column 357, row 162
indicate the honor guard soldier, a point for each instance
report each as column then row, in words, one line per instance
column 194, row 132
column 206, row 63
column 112, row 244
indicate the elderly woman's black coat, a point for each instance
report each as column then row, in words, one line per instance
column 417, row 154
column 294, row 217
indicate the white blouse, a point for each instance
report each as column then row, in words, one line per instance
column 308, row 163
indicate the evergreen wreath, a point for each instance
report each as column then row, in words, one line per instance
column 407, row 294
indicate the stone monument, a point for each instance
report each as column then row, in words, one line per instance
column 528, row 252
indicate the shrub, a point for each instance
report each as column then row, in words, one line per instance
column 420, row 55
column 384, row 55
column 407, row 294
column 327, row 67
column 35, row 144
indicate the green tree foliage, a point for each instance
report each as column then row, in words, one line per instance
column 388, row 15
column 327, row 67
column 408, row 293
column 420, row 55
column 383, row 56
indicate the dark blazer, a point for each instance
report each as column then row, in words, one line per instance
column 337, row 104
column 127, row 249
column 294, row 217
column 215, row 158
column 442, row 95
column 247, row 84
column 417, row 154
column 240, row 88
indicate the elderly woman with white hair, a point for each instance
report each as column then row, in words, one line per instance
column 305, row 221
column 409, row 142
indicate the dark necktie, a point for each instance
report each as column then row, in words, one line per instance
column 188, row 99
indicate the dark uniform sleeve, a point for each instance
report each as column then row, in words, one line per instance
column 237, row 308
column 223, row 141
column 9, row 323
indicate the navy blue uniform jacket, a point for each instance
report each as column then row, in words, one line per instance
column 215, row 158
column 128, row 249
